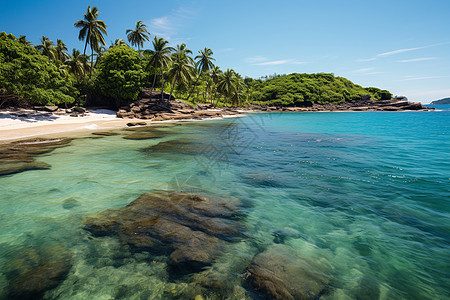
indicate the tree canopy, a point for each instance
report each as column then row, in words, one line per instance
column 293, row 89
column 120, row 74
column 25, row 72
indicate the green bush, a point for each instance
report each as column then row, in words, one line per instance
column 379, row 94
column 294, row 89
column 120, row 74
column 25, row 72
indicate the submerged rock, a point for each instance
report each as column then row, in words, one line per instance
column 144, row 135
column 192, row 230
column 18, row 156
column 70, row 203
column 280, row 272
column 181, row 146
column 12, row 166
column 34, row 271
column 105, row 133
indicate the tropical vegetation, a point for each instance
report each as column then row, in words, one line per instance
column 47, row 74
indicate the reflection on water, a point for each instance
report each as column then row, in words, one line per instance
column 331, row 206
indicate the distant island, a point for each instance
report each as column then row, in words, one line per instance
column 441, row 101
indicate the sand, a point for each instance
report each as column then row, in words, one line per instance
column 13, row 126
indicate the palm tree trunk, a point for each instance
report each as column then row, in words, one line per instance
column 154, row 81
column 192, row 89
column 92, row 62
column 85, row 46
column 172, row 87
column 214, row 97
column 162, row 85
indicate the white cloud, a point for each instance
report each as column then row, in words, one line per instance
column 264, row 61
column 398, row 51
column 363, row 70
column 170, row 25
column 255, row 59
column 365, row 59
column 273, row 62
column 409, row 78
column 162, row 24
column 416, row 59
column 224, row 50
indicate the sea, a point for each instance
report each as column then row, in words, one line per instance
column 365, row 195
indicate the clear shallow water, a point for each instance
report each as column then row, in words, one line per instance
column 365, row 193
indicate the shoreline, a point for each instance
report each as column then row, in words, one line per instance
column 15, row 129
column 14, row 126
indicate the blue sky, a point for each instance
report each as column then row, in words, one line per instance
column 399, row 45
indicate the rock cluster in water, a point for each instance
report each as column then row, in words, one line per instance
column 150, row 106
column 19, row 156
column 192, row 230
column 34, row 271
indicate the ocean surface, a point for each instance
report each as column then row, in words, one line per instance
column 365, row 194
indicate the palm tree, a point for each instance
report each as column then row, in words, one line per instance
column 137, row 36
column 227, row 84
column 160, row 58
column 204, row 64
column 76, row 63
column 117, row 42
column 215, row 76
column 61, row 51
column 92, row 30
column 239, row 90
column 183, row 51
column 47, row 48
column 181, row 69
column 101, row 51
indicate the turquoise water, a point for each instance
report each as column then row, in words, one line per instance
column 365, row 193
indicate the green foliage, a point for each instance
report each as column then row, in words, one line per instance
column 120, row 74
column 379, row 94
column 25, row 72
column 294, row 89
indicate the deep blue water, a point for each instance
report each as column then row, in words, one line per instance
column 365, row 193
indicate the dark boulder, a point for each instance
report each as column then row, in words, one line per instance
column 192, row 230
column 79, row 109
column 34, row 271
column 281, row 272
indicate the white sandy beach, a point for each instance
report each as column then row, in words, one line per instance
column 15, row 125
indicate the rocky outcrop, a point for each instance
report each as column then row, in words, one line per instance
column 364, row 104
column 34, row 271
column 17, row 157
column 280, row 272
column 150, row 106
column 192, row 230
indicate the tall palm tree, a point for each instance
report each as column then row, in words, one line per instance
column 61, row 51
column 204, row 64
column 47, row 48
column 137, row 36
column 160, row 59
column 181, row 69
column 92, row 31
